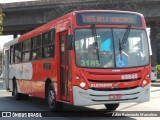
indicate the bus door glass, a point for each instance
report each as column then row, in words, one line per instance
column 63, row 66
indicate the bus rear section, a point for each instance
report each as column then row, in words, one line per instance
column 112, row 60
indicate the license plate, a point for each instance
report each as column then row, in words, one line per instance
column 115, row 96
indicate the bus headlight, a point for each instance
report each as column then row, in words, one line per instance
column 82, row 84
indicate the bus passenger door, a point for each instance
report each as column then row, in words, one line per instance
column 64, row 67
column 6, row 69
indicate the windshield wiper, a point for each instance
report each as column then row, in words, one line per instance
column 125, row 37
column 94, row 34
column 120, row 49
column 124, row 40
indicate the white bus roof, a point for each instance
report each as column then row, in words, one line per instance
column 8, row 44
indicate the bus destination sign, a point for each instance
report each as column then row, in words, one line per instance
column 108, row 18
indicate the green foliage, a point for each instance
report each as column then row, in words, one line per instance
column 158, row 71
column 1, row 21
column 1, row 29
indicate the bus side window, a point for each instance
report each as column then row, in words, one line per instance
column 17, row 53
column 36, row 47
column 17, row 58
column 26, row 50
column 36, row 54
column 11, row 54
column 48, row 39
column 48, row 52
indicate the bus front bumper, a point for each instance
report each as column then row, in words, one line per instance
column 83, row 97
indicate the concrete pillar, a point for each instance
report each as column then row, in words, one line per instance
column 153, row 44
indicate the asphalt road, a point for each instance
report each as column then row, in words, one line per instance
column 7, row 103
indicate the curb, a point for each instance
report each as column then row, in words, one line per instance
column 155, row 84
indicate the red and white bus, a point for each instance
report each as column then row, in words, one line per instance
column 86, row 57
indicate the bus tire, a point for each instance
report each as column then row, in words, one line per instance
column 51, row 98
column 111, row 107
column 25, row 97
column 18, row 96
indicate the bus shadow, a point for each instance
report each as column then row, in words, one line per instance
column 34, row 104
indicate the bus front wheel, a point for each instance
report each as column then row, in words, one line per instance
column 111, row 107
column 51, row 98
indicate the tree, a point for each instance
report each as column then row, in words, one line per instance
column 1, row 20
column 1, row 29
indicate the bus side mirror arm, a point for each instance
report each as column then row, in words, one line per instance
column 69, row 42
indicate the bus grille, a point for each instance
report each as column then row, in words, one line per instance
column 127, row 80
column 113, row 89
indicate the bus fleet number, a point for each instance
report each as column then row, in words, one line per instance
column 129, row 76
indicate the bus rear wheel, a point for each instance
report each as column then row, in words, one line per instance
column 111, row 107
column 51, row 98
column 18, row 96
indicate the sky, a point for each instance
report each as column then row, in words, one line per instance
column 4, row 39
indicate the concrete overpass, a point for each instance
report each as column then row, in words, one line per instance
column 24, row 16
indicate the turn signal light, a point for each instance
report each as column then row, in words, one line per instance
column 77, row 78
column 147, row 76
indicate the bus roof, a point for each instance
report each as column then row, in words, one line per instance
column 117, row 11
column 8, row 44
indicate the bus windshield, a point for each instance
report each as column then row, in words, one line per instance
column 134, row 53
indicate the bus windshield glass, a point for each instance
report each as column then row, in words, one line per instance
column 135, row 51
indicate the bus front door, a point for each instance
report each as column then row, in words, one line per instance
column 64, row 65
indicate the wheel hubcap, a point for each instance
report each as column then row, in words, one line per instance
column 51, row 97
